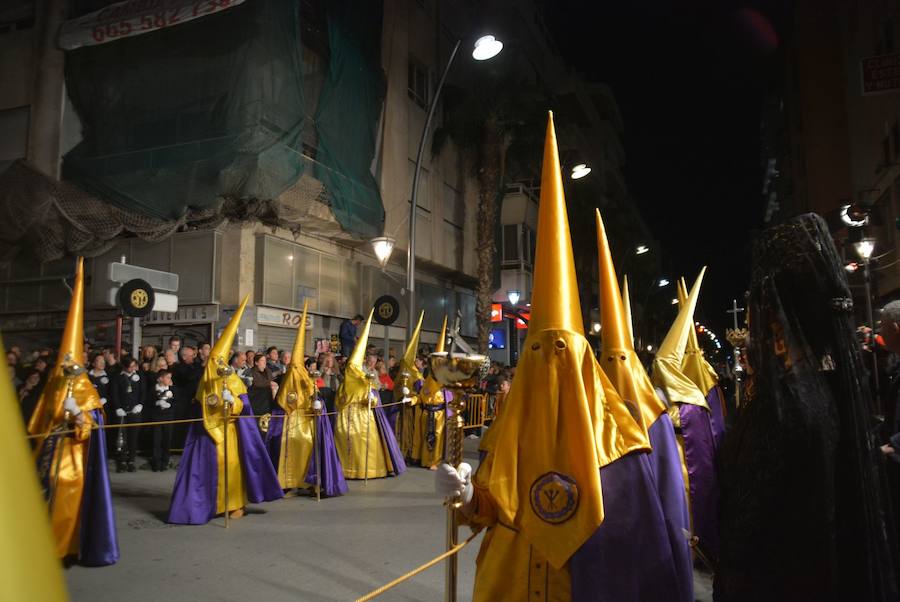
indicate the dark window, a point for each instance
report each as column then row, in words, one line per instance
column 417, row 83
column 511, row 243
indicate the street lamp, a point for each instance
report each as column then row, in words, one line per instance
column 383, row 247
column 486, row 47
column 641, row 249
column 674, row 301
column 864, row 248
column 513, row 297
column 580, row 170
column 595, row 327
column 663, row 282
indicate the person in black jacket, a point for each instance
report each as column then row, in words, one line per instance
column 128, row 395
column 186, row 374
column 163, row 400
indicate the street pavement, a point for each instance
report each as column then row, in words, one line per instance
column 291, row 550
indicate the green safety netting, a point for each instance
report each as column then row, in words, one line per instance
column 231, row 106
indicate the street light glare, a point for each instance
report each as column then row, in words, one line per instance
column 663, row 282
column 641, row 249
column 580, row 170
column 486, row 47
column 596, row 327
column 383, row 247
column 513, row 297
column 865, row 248
column 674, row 301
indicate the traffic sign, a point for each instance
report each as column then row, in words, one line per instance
column 163, row 281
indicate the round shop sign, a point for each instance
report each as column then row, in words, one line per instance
column 387, row 310
column 136, row 298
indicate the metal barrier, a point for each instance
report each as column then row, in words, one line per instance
column 476, row 410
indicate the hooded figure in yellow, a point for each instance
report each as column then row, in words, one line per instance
column 199, row 493
column 364, row 438
column 702, row 374
column 71, row 450
column 305, row 428
column 406, row 387
column 429, row 432
column 690, row 413
column 565, row 488
column 621, row 364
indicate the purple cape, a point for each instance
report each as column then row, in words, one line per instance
column 699, row 456
column 629, row 558
column 716, row 403
column 196, row 484
column 387, row 435
column 273, row 436
column 333, row 483
column 99, row 544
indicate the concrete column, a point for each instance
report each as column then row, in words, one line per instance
column 48, row 89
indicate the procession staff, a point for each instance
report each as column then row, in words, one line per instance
column 201, row 483
column 691, row 416
column 621, row 364
column 364, row 439
column 307, row 456
column 565, row 486
column 72, row 466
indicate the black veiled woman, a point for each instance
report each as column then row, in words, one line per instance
column 802, row 513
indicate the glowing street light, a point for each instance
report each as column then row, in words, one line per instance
column 595, row 327
column 864, row 248
column 486, row 47
column 383, row 247
column 513, row 297
column 641, row 249
column 663, row 282
column 580, row 170
column 674, row 301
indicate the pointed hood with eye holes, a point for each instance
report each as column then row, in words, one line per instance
column 562, row 419
column 617, row 355
column 694, row 365
column 667, row 374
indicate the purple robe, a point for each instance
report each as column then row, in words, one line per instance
column 99, row 545
column 333, row 483
column 699, row 456
column 714, row 400
column 273, row 436
column 387, row 435
column 196, row 484
column 629, row 558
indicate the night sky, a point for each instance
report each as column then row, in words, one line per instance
column 689, row 78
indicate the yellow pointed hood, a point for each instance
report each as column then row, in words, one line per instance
column 667, row 374
column 554, row 297
column 626, row 306
column 356, row 385
column 694, row 365
column 49, row 411
column 617, row 356
column 29, row 569
column 408, row 362
column 297, row 380
column 562, row 419
column 442, row 340
column 210, row 393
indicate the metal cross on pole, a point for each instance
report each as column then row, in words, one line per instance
column 734, row 311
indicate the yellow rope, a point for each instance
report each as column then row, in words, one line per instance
column 454, row 550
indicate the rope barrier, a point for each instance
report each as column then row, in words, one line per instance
column 421, row 569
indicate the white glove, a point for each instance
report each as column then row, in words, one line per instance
column 449, row 481
column 164, row 405
column 120, row 412
column 137, row 409
column 168, row 394
column 227, row 396
column 103, row 401
column 317, row 405
column 71, row 406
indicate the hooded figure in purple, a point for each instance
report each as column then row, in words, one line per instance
column 200, row 493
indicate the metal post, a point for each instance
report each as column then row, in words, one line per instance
column 226, row 410
column 874, row 345
column 118, row 350
column 411, row 251
column 136, row 338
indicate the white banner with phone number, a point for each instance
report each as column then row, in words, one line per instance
column 134, row 17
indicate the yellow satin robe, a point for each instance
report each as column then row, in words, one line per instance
column 297, row 441
column 67, row 486
column 237, row 494
column 430, row 395
column 355, row 421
